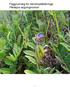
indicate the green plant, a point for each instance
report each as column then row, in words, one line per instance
column 34, row 42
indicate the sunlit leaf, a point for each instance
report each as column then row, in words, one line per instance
column 29, row 72
column 31, row 59
column 30, row 53
column 11, row 57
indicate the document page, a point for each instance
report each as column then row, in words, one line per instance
column 34, row 43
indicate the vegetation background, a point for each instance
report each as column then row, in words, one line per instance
column 34, row 42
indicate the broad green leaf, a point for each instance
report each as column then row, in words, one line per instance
column 8, row 62
column 30, row 53
column 31, row 59
column 5, row 70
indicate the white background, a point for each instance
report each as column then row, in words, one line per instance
column 34, row 80
column 58, row 4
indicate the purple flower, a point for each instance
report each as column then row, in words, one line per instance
column 40, row 37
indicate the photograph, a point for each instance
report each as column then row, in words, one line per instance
column 35, row 42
